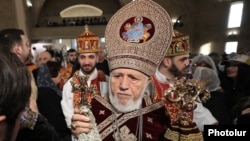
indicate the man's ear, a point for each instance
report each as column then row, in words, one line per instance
column 167, row 62
column 17, row 49
column 2, row 118
column 150, row 87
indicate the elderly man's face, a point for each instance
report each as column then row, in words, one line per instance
column 127, row 89
column 44, row 57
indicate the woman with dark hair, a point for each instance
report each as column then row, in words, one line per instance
column 49, row 98
column 15, row 91
column 236, row 79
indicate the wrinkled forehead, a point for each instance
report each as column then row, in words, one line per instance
column 45, row 54
column 128, row 72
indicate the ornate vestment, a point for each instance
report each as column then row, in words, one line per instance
column 65, row 74
column 152, row 124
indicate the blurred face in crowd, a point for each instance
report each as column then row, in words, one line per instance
column 231, row 70
column 44, row 57
column 101, row 54
column 26, row 48
column 87, row 62
column 177, row 65
column 203, row 64
column 23, row 49
column 72, row 57
column 127, row 88
column 57, row 79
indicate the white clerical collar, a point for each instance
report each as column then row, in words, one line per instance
column 92, row 76
column 160, row 77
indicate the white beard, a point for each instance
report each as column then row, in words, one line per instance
column 129, row 106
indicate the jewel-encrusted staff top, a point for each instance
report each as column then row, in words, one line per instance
column 137, row 36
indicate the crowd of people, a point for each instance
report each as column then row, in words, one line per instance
column 126, row 91
column 77, row 22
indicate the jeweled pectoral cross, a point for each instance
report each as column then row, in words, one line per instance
column 85, row 106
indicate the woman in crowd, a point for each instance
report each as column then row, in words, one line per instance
column 49, row 97
column 216, row 104
column 236, row 80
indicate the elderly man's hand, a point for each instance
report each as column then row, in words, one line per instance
column 80, row 123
